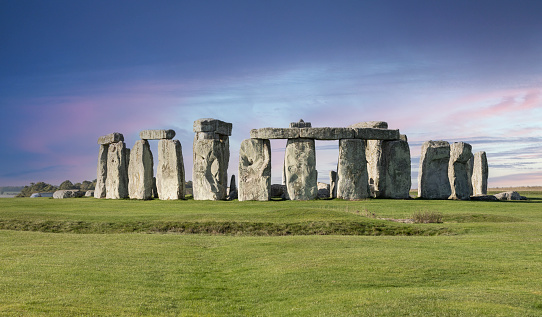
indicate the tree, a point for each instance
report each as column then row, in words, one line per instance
column 39, row 187
column 66, row 185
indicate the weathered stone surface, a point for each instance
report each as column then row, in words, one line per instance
column 300, row 169
column 480, row 174
column 326, row 133
column 89, row 193
column 300, row 124
column 396, row 166
column 470, row 169
column 117, row 172
column 370, row 124
column 156, row 134
column 403, row 137
column 209, row 136
column 170, row 170
column 68, row 193
column 210, row 172
column 352, row 175
column 484, row 198
column 458, row 170
column 332, row 184
column 274, row 133
column 323, row 190
column 254, row 170
column 213, row 125
column 511, row 195
column 154, row 188
column 278, row 191
column 127, row 156
column 433, row 181
column 101, row 176
column 140, row 171
column 110, row 138
column 373, row 154
column 376, row 134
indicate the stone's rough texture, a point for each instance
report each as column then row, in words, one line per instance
column 433, row 182
column 484, row 198
column 209, row 136
column 396, row 163
column 326, row 133
column 101, row 176
column 210, row 173
column 274, row 133
column 156, row 134
column 89, row 193
column 332, row 184
column 376, row 134
column 154, row 188
column 117, row 172
column 403, row 137
column 300, row 166
column 127, row 156
column 232, row 190
column 300, row 124
column 510, row 196
column 254, row 170
column 278, row 191
column 140, row 171
column 170, row 170
column 370, row 124
column 68, row 193
column 352, row 170
column 480, row 174
column 458, row 170
column 111, row 138
column 213, row 125
column 373, row 154
column 323, row 190
column 470, row 169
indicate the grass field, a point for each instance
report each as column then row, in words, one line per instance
column 78, row 257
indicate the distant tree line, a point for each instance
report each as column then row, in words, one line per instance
column 41, row 187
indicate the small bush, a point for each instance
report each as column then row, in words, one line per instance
column 427, row 217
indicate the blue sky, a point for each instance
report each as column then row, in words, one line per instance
column 71, row 71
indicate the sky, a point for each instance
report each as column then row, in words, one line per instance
column 71, row 71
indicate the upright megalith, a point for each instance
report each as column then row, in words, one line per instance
column 101, row 176
column 170, row 170
column 140, row 171
column 480, row 174
column 232, row 190
column 458, row 170
column 211, row 158
column 433, row 182
column 352, row 174
column 300, row 169
column 117, row 172
column 332, row 184
column 254, row 170
column 395, row 180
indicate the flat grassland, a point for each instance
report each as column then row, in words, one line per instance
column 279, row 258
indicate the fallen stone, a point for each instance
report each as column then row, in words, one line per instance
column 275, row 133
column 117, row 172
column 484, row 198
column 480, row 174
column 433, row 181
column 89, row 193
column 110, row 138
column 370, row 124
column 170, row 170
column 213, row 125
column 156, row 134
column 210, row 172
column 140, row 171
column 300, row 169
column 458, row 170
column 100, row 188
column 323, row 190
column 300, row 124
column 68, row 193
column 396, row 167
column 254, row 170
column 511, row 195
column 352, row 175
column 326, row 133
column 332, row 184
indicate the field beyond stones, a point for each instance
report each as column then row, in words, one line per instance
column 87, row 256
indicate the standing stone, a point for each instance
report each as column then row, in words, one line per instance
column 154, row 188
column 170, row 170
column 352, row 170
column 323, row 190
column 480, row 174
column 458, row 170
column 332, row 184
column 395, row 181
column 117, row 173
column 232, row 193
column 100, row 189
column 255, row 170
column 210, row 173
column 433, row 182
column 470, row 169
column 140, row 171
column 300, row 169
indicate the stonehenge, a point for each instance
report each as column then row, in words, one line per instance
column 353, row 183
column 433, row 181
column 170, row 170
column 479, row 174
column 300, row 169
column 254, row 170
column 140, row 171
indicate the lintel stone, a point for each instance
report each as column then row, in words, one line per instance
column 212, row 125
column 157, row 134
column 110, row 138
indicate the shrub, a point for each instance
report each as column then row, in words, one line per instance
column 427, row 217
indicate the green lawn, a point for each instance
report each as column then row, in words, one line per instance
column 484, row 260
